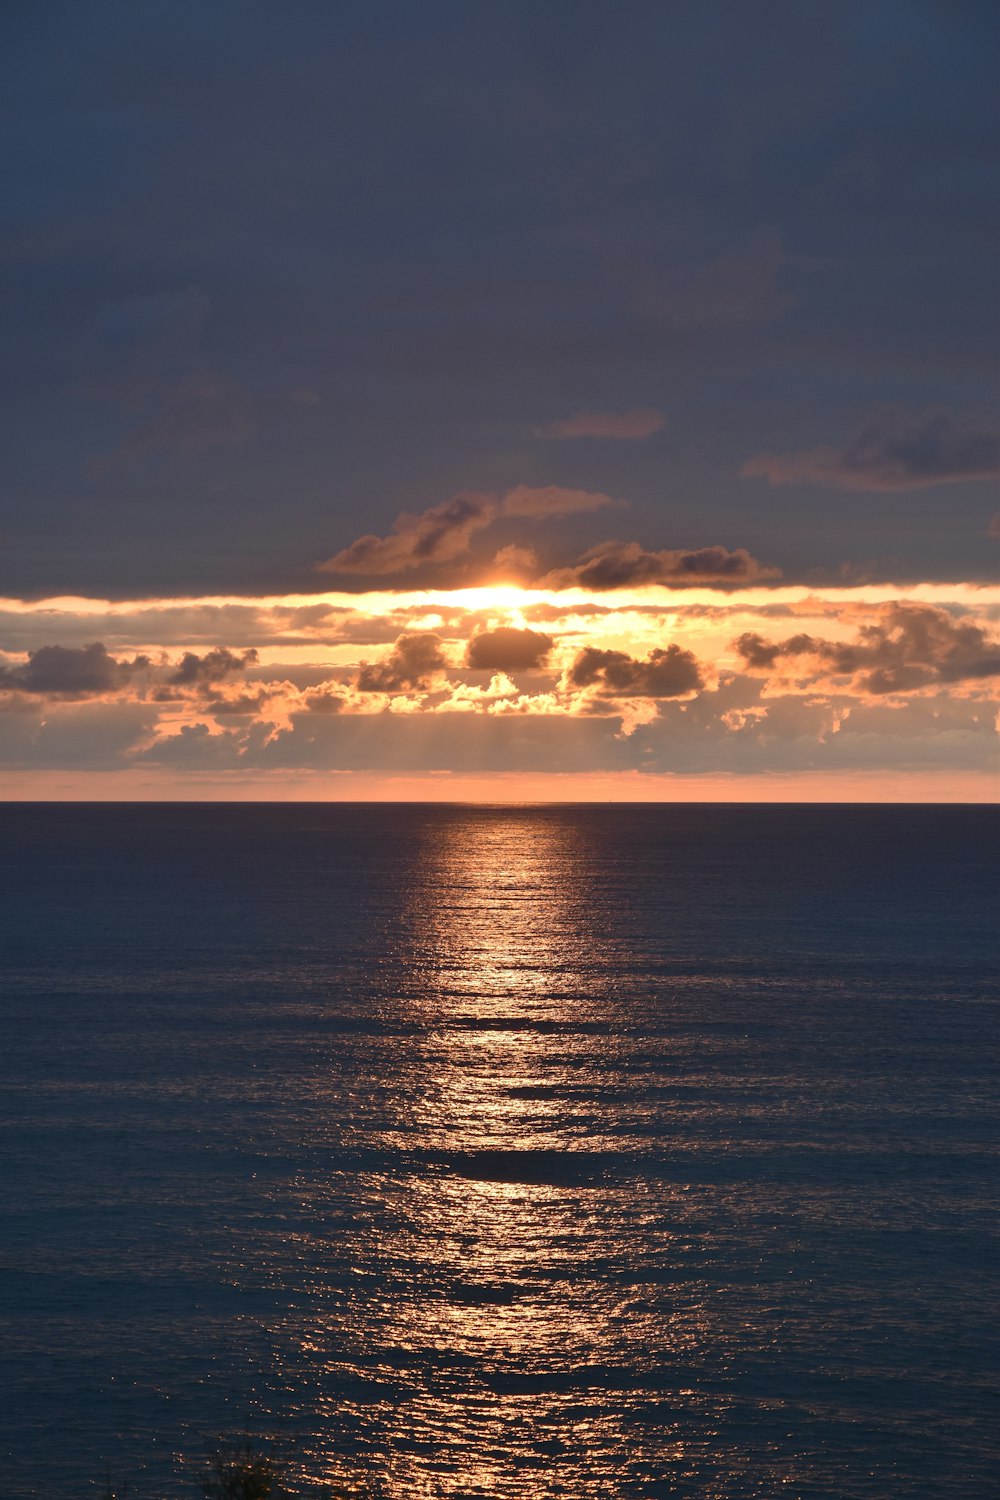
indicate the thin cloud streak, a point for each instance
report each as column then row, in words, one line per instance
column 626, row 426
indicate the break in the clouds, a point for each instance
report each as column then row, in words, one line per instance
column 625, row 426
column 894, row 449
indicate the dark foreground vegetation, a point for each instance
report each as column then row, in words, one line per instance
column 241, row 1470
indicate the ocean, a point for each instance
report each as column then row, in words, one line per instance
column 580, row 1151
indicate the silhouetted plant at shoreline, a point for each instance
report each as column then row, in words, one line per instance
column 240, row 1470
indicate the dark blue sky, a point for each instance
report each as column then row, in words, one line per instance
column 273, row 274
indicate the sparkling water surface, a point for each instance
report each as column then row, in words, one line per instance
column 589, row 1152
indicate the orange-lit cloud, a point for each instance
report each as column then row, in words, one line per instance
column 444, row 532
column 743, row 679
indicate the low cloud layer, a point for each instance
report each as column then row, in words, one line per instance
column 747, row 681
column 893, row 449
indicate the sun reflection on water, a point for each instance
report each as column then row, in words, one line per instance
column 502, row 1328
column 498, row 1330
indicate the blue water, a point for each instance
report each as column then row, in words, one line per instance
column 581, row 1152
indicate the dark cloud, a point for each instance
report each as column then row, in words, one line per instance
column 72, row 672
column 214, row 667
column 415, row 661
column 437, row 535
column 894, row 449
column 324, row 702
column 624, row 426
column 507, row 649
column 664, row 674
column 616, row 565
column 444, row 532
column 912, row 646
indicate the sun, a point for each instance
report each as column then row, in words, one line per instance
column 494, row 596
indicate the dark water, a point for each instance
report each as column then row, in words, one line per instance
column 583, row 1152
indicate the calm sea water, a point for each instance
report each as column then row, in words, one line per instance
column 583, row 1152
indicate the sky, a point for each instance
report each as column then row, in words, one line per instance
column 507, row 401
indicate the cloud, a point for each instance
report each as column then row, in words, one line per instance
column 893, row 449
column 508, row 650
column 415, row 660
column 664, row 674
column 214, row 667
column 541, row 503
column 71, row 672
column 912, row 646
column 624, row 426
column 615, row 565
column 517, row 560
column 437, row 535
column 445, row 531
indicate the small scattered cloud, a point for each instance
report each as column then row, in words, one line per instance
column 911, row 647
column 624, row 426
column 444, row 532
column 508, row 649
column 412, row 665
column 540, row 503
column 668, row 673
column 215, row 666
column 893, row 449
column 437, row 535
column 616, row 565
